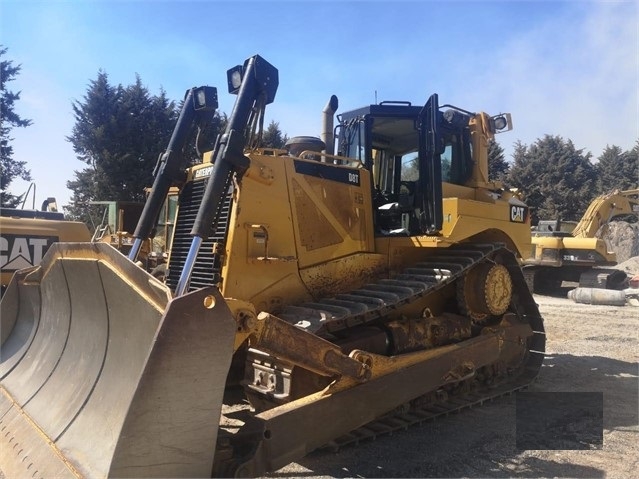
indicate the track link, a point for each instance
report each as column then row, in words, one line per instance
column 376, row 300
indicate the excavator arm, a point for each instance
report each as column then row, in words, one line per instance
column 605, row 208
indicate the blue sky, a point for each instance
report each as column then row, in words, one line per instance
column 566, row 68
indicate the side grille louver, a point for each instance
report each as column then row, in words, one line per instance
column 203, row 271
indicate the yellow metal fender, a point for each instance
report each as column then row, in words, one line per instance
column 102, row 374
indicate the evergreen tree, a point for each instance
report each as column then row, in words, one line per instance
column 119, row 133
column 617, row 170
column 10, row 169
column 273, row 137
column 633, row 166
column 497, row 164
column 557, row 180
column 521, row 173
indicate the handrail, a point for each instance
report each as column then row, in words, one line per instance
column 27, row 194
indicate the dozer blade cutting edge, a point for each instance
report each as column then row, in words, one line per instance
column 102, row 374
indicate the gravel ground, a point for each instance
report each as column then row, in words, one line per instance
column 589, row 349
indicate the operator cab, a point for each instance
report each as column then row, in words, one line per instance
column 410, row 150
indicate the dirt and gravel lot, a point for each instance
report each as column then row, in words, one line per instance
column 589, row 349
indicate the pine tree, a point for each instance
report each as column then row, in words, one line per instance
column 617, row 170
column 557, row 180
column 119, row 133
column 497, row 164
column 273, row 137
column 10, row 169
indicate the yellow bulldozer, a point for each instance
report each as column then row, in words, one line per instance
column 372, row 278
column 580, row 255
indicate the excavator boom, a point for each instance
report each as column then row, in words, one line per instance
column 606, row 208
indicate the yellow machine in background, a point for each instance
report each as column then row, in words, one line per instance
column 27, row 234
column 615, row 206
column 119, row 220
column 581, row 255
column 305, row 297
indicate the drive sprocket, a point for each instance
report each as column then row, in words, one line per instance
column 485, row 291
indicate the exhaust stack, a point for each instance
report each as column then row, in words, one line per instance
column 327, row 124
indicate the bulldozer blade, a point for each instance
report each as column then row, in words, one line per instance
column 102, row 374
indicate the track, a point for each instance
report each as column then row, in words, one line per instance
column 376, row 300
column 416, row 413
column 457, row 261
column 373, row 302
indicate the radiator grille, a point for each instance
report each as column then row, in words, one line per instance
column 204, row 269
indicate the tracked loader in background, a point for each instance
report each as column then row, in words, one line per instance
column 306, row 297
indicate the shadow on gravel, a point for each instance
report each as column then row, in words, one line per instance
column 480, row 442
column 529, row 467
column 618, row 380
column 388, row 458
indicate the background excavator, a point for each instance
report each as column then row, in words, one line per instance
column 306, row 296
column 27, row 234
column 581, row 255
